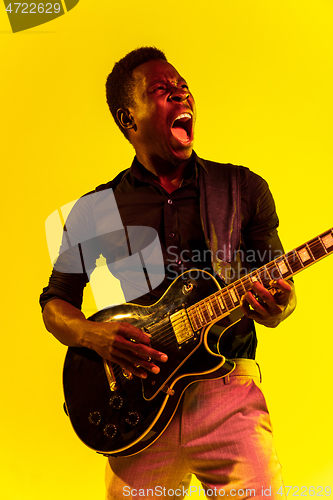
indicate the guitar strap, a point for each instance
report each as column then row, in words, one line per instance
column 220, row 210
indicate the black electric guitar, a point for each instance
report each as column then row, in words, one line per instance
column 116, row 413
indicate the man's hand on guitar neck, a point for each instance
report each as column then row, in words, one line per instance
column 270, row 307
column 119, row 342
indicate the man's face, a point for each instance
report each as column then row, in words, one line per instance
column 164, row 113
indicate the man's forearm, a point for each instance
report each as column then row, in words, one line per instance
column 119, row 342
column 65, row 322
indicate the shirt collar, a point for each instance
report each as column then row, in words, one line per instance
column 199, row 161
column 143, row 175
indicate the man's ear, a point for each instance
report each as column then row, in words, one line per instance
column 125, row 119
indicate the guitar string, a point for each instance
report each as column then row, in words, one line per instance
column 168, row 330
column 269, row 268
column 229, row 303
column 170, row 340
column 241, row 286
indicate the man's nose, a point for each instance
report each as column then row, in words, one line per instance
column 179, row 95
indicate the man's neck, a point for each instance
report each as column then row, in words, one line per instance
column 168, row 175
column 169, row 184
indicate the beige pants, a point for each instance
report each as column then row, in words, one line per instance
column 221, row 432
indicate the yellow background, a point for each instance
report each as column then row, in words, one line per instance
column 261, row 73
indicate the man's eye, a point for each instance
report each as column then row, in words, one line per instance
column 160, row 87
column 184, row 86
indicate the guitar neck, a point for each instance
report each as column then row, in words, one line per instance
column 224, row 301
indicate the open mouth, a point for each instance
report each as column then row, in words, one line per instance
column 181, row 128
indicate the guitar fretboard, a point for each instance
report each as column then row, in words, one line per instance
column 224, row 301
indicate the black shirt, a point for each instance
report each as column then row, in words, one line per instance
column 142, row 202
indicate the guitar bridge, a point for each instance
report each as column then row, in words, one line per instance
column 181, row 326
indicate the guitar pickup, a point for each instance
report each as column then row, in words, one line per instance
column 181, row 326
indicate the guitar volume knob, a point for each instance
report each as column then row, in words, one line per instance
column 116, row 402
column 110, row 431
column 133, row 418
column 95, row 417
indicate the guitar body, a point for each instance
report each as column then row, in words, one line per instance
column 118, row 414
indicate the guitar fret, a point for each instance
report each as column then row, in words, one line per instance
column 284, row 267
column 216, row 306
column 322, row 244
column 231, row 306
column 240, row 289
column 254, row 276
column 258, row 276
column 265, row 277
column 304, row 255
column 209, row 309
column 318, row 250
column 309, row 250
column 202, row 321
column 234, row 296
column 204, row 312
column 243, row 286
column 327, row 239
column 227, row 299
column 274, row 271
column 247, row 283
column 300, row 260
column 196, row 324
column 294, row 261
column 221, row 302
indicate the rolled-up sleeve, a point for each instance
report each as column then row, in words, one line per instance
column 64, row 286
column 77, row 256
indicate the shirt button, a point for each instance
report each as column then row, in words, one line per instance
column 171, row 235
column 170, row 202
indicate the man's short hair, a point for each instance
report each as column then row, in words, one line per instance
column 120, row 82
